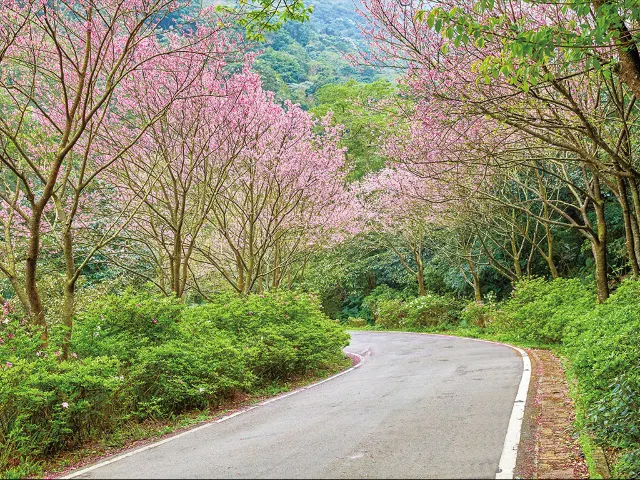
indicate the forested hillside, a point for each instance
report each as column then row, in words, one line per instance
column 302, row 57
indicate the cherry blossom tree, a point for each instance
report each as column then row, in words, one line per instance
column 186, row 156
column 579, row 116
column 243, row 187
column 284, row 192
column 392, row 207
column 68, row 70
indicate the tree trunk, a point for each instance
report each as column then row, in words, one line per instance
column 10, row 270
column 635, row 218
column 241, row 281
column 176, row 265
column 516, row 258
column 20, row 293
column 275, row 281
column 477, row 291
column 547, row 228
column 420, row 278
column 602, row 281
column 68, row 305
column 68, row 311
column 627, row 51
column 259, row 285
column 422, row 291
column 552, row 267
column 184, row 277
column 628, row 230
column 599, row 244
column 36, row 310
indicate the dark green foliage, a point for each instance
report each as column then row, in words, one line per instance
column 628, row 465
column 344, row 275
column 382, row 294
column 351, row 307
column 286, row 65
column 302, row 57
column 614, row 416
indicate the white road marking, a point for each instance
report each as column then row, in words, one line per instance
column 507, row 464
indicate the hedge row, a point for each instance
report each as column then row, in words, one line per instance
column 137, row 356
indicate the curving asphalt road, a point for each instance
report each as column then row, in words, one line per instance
column 419, row 406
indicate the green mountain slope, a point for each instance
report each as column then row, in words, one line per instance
column 301, row 57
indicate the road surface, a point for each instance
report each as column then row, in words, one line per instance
column 419, row 406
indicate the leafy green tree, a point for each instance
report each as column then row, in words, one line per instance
column 272, row 80
column 364, row 111
column 311, row 54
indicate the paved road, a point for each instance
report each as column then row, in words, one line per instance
column 420, row 406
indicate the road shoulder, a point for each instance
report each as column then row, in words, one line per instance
column 549, row 445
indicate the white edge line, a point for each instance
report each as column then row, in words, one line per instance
column 361, row 358
column 507, row 463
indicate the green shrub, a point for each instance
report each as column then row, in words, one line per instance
column 541, row 310
column 47, row 405
column 390, row 313
column 352, row 308
column 185, row 374
column 382, row 293
column 356, row 322
column 415, row 313
column 628, row 465
column 614, row 415
column 604, row 350
column 478, row 314
column 118, row 325
column 285, row 333
column 19, row 340
column 138, row 356
column 431, row 311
